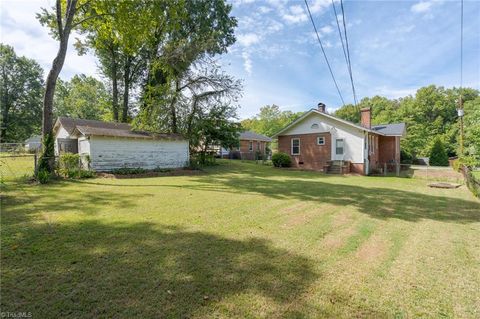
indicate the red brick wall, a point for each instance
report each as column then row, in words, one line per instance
column 357, row 168
column 246, row 153
column 389, row 149
column 312, row 155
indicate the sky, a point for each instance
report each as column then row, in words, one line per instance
column 396, row 47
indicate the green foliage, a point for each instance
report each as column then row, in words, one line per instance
column 129, row 171
column 21, row 91
column 270, row 120
column 469, row 161
column 202, row 159
column 43, row 176
column 47, row 157
column 69, row 165
column 438, row 155
column 82, row 97
column 472, row 128
column 281, row 159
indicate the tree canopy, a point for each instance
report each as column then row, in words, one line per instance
column 21, row 91
column 269, row 120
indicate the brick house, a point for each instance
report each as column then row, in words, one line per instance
column 320, row 141
column 251, row 145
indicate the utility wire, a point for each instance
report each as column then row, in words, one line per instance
column 341, row 36
column 348, row 53
column 323, row 51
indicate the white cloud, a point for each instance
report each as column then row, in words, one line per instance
column 421, row 7
column 264, row 9
column 248, row 39
column 319, row 6
column 21, row 30
column 295, row 14
column 326, row 29
column 247, row 62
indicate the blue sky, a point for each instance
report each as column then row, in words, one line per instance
column 395, row 46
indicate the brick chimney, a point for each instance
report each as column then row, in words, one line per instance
column 366, row 117
column 321, row 107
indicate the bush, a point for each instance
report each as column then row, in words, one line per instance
column 281, row 159
column 129, row 171
column 406, row 157
column 69, row 165
column 43, row 176
column 438, row 155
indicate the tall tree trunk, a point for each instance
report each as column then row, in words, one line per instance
column 126, row 81
column 57, row 65
column 114, row 85
column 173, row 111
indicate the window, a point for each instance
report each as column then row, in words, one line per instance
column 258, row 146
column 238, row 148
column 320, row 140
column 250, row 146
column 314, row 126
column 295, row 146
column 339, row 146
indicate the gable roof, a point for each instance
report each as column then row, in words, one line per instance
column 396, row 129
column 99, row 128
column 249, row 135
column 315, row 111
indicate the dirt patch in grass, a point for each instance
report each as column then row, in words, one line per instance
column 173, row 172
column 373, row 250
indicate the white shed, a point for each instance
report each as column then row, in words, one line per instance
column 117, row 145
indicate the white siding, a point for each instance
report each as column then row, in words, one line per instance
column 83, row 146
column 108, row 153
column 353, row 137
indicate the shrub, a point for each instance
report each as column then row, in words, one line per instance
column 406, row 157
column 129, row 171
column 438, row 155
column 281, row 159
column 69, row 165
column 83, row 173
column 43, row 176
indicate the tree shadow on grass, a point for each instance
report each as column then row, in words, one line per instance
column 377, row 202
column 91, row 269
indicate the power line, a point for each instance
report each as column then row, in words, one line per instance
column 323, row 51
column 348, row 53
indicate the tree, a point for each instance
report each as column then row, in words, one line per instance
column 121, row 38
column 204, row 98
column 60, row 20
column 82, row 97
column 193, row 31
column 472, row 128
column 270, row 120
column 438, row 155
column 21, row 89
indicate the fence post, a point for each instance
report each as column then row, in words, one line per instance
column 385, row 169
column 397, row 167
column 35, row 163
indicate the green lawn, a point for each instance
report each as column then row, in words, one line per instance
column 241, row 240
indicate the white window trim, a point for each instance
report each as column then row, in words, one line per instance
column 291, row 146
column 323, row 139
column 250, row 146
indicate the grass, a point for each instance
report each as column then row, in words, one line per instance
column 242, row 240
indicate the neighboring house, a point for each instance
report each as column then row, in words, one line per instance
column 252, row 146
column 116, row 145
column 33, row 144
column 321, row 141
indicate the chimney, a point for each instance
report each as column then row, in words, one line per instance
column 366, row 117
column 321, row 107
